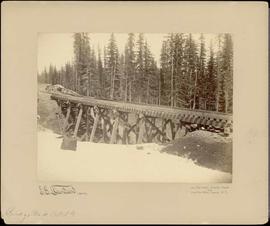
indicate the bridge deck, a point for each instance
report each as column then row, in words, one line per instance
column 185, row 115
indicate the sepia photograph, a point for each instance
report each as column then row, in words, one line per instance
column 124, row 112
column 135, row 107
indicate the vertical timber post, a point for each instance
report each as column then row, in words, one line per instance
column 58, row 115
column 78, row 121
column 66, row 119
column 173, row 131
column 95, row 124
column 141, row 129
column 164, row 127
column 125, row 134
column 114, row 130
column 104, row 125
column 88, row 111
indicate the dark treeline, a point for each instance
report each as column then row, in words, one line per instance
column 189, row 75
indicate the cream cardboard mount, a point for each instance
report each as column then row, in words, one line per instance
column 28, row 198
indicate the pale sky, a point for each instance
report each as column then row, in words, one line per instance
column 57, row 48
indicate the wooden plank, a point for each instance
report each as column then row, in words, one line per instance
column 78, row 122
column 94, row 127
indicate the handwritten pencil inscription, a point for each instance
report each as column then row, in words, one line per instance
column 21, row 215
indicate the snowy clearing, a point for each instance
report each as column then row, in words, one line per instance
column 96, row 162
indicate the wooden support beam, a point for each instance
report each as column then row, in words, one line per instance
column 173, row 131
column 104, row 122
column 88, row 116
column 164, row 126
column 147, row 130
column 104, row 131
column 153, row 122
column 151, row 128
column 59, row 117
column 114, row 131
column 78, row 122
column 125, row 136
column 141, row 131
column 132, row 128
column 66, row 120
column 94, row 127
column 158, row 131
column 124, row 124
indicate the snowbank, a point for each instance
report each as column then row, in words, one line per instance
column 122, row 163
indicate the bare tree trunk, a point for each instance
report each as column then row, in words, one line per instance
column 195, row 91
column 126, row 91
column 218, row 76
column 130, row 90
column 76, row 81
column 89, row 83
column 147, row 91
column 112, row 85
column 159, row 89
column 172, row 91
column 226, row 101
column 190, row 91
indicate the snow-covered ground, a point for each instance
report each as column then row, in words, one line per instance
column 98, row 162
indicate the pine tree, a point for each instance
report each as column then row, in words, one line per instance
column 130, row 67
column 100, row 75
column 210, row 80
column 69, row 75
column 140, row 79
column 201, row 88
column 81, row 62
column 219, row 89
column 178, row 67
column 173, row 70
column 62, row 76
column 147, row 73
column 164, row 74
column 112, row 67
column 227, row 72
column 122, row 79
column 189, row 75
column 172, row 59
column 93, row 78
column 190, row 72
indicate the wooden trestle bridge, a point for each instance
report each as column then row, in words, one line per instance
column 95, row 120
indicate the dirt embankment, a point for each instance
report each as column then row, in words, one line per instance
column 204, row 148
column 47, row 110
